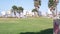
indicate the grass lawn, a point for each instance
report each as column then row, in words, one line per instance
column 26, row 26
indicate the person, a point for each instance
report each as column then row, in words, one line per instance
column 56, row 26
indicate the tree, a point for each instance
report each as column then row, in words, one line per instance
column 53, row 6
column 14, row 9
column 20, row 9
column 37, row 3
column 35, row 11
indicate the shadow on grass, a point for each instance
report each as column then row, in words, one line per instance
column 47, row 31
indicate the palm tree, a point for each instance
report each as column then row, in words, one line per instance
column 20, row 10
column 14, row 9
column 52, row 5
column 37, row 3
column 35, row 11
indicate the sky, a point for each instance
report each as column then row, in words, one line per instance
column 26, row 4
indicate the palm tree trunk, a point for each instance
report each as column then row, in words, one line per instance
column 53, row 14
column 34, row 14
column 56, row 10
column 19, row 15
column 37, row 10
column 15, row 14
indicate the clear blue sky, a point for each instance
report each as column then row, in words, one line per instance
column 26, row 4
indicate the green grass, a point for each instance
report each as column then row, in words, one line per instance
column 25, row 25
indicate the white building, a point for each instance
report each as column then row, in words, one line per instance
column 49, row 14
column 3, row 13
column 6, row 13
